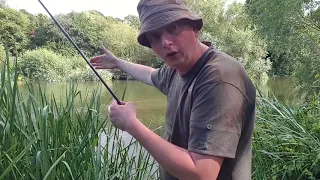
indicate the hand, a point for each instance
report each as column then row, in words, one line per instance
column 105, row 61
column 122, row 116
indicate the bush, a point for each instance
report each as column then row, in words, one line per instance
column 87, row 74
column 43, row 64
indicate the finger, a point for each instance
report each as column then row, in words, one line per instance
column 114, row 102
column 96, row 63
column 105, row 50
column 99, row 67
column 109, row 109
column 130, row 103
column 97, row 59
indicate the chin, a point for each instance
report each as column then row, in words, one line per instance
column 176, row 63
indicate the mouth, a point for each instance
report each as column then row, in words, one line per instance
column 171, row 54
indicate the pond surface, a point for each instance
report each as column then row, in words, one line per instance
column 151, row 103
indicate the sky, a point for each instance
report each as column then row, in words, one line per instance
column 115, row 8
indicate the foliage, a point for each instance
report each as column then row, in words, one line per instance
column 279, row 36
column 2, row 55
column 230, row 31
column 90, row 30
column 43, row 64
column 44, row 139
column 13, row 29
column 286, row 140
column 292, row 32
column 133, row 21
column 46, row 65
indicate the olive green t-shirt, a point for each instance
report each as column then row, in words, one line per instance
column 211, row 110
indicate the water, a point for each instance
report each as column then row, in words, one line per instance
column 149, row 102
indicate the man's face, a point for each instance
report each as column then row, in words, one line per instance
column 175, row 43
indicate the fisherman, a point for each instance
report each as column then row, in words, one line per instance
column 210, row 111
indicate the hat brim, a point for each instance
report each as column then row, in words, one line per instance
column 163, row 19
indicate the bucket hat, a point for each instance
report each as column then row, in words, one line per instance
column 155, row 14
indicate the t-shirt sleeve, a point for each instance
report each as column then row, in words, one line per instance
column 161, row 78
column 216, row 120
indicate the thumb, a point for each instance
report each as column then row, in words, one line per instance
column 130, row 103
column 105, row 51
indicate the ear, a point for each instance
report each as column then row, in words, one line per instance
column 196, row 32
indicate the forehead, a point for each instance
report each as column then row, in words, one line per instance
column 182, row 22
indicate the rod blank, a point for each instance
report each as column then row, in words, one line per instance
column 84, row 57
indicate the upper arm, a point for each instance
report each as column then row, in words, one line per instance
column 216, row 120
column 150, row 81
column 160, row 78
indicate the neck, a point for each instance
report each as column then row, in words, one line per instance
column 199, row 50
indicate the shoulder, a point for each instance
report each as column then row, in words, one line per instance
column 223, row 68
column 162, row 78
column 165, row 71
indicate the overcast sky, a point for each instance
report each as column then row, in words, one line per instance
column 115, row 8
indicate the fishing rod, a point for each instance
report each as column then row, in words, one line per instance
column 84, row 57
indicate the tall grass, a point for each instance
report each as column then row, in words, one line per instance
column 287, row 140
column 41, row 138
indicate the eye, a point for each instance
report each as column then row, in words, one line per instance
column 173, row 29
column 153, row 37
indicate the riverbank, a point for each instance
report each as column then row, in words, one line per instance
column 65, row 134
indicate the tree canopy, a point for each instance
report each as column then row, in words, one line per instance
column 269, row 38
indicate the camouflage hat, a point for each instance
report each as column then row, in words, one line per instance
column 155, row 14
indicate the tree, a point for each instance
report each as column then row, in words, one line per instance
column 13, row 29
column 292, row 32
column 133, row 21
column 230, row 31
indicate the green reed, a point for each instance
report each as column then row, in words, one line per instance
column 44, row 139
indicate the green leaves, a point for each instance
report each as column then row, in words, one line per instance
column 286, row 141
column 13, row 29
column 230, row 30
column 42, row 138
column 42, row 64
column 292, row 32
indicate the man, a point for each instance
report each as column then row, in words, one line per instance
column 211, row 100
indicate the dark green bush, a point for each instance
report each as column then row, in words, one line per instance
column 43, row 64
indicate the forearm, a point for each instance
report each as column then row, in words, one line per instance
column 137, row 71
column 174, row 159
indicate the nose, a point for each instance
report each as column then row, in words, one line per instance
column 166, row 40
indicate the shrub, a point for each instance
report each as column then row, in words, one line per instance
column 43, row 64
